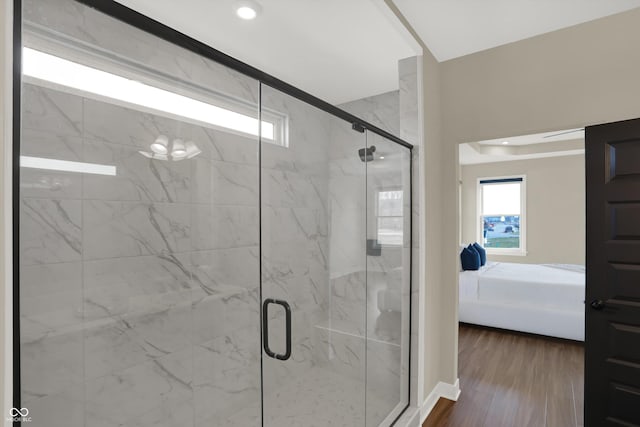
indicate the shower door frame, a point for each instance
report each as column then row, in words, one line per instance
column 142, row 22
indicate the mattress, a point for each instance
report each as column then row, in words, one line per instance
column 543, row 286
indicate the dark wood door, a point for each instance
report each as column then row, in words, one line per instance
column 612, row 345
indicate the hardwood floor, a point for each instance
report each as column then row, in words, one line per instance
column 510, row 379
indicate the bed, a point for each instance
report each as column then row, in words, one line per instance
column 546, row 299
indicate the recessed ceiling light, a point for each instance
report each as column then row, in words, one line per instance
column 381, row 157
column 505, row 142
column 247, row 9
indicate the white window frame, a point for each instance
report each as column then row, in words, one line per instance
column 151, row 77
column 522, row 250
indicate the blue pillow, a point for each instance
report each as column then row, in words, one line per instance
column 482, row 252
column 476, row 251
column 470, row 259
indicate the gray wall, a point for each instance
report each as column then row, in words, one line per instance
column 555, row 211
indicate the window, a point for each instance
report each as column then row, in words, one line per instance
column 502, row 215
column 390, row 219
column 220, row 113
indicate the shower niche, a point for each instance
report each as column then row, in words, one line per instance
column 199, row 247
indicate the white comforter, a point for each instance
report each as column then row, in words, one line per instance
column 544, row 286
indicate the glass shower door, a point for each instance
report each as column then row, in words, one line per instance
column 139, row 228
column 313, row 267
column 388, row 279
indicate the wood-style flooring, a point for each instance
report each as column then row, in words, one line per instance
column 509, row 379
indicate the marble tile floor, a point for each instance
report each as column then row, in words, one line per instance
column 319, row 398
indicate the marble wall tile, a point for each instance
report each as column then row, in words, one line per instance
column 138, row 129
column 309, row 131
column 237, row 267
column 277, row 373
column 348, row 307
column 341, row 353
column 158, row 392
column 50, row 299
column 293, row 190
column 225, row 312
column 210, row 317
column 229, row 147
column 248, row 416
column 53, row 111
column 118, row 286
column 42, row 183
column 120, row 342
column 135, row 128
column 383, row 380
column 137, row 177
column 228, row 376
column 386, row 325
column 410, row 114
column 383, row 369
column 223, row 227
column 117, row 229
column 222, row 183
column 62, row 409
column 381, row 110
column 293, row 225
column 284, row 264
column 59, row 370
column 50, row 231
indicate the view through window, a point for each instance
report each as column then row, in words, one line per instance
column 390, row 220
column 501, row 216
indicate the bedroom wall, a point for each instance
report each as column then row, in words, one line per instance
column 555, row 207
column 581, row 75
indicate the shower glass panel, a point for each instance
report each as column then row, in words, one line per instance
column 198, row 248
column 139, row 228
column 388, row 279
column 313, row 264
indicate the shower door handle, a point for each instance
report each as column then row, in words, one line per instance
column 265, row 328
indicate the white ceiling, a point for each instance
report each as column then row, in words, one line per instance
column 343, row 50
column 453, row 28
column 535, row 146
column 537, row 138
column 335, row 49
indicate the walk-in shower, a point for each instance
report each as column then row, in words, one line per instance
column 200, row 244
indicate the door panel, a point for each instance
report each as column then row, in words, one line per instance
column 314, row 262
column 612, row 357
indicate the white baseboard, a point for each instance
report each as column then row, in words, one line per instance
column 442, row 389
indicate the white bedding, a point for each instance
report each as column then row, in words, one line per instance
column 546, row 299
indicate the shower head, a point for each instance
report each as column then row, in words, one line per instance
column 366, row 154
